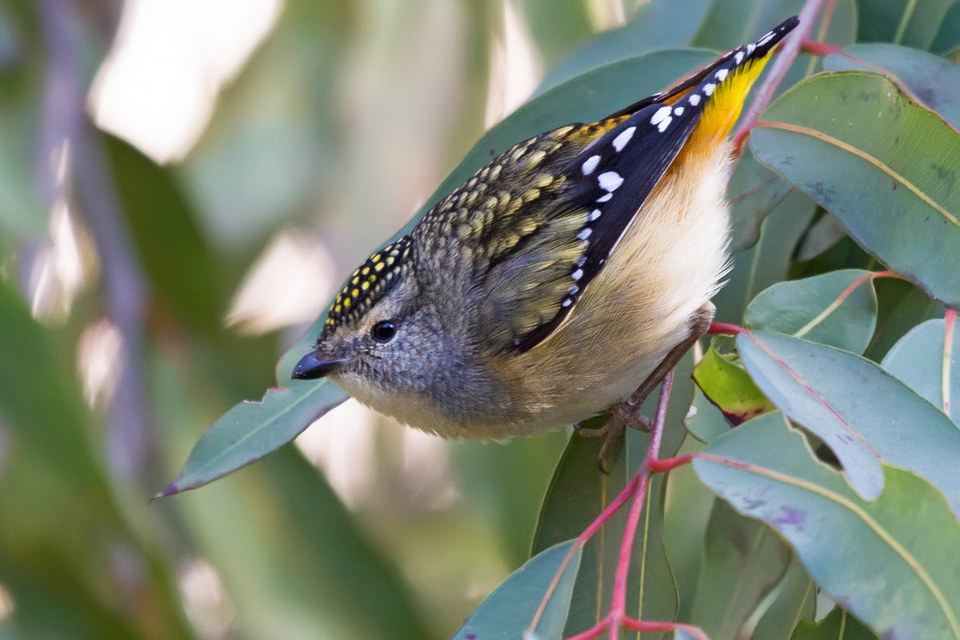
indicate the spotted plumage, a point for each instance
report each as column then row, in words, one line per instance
column 611, row 233
column 368, row 283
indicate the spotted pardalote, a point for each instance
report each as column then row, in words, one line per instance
column 570, row 271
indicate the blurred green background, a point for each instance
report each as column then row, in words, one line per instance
column 151, row 276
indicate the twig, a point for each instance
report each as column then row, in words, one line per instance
column 64, row 121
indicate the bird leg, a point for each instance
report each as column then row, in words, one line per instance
column 627, row 413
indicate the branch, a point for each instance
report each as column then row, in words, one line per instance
column 64, row 124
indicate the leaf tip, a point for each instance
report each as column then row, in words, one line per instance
column 169, row 490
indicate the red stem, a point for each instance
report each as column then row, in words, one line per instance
column 724, row 328
column 618, row 603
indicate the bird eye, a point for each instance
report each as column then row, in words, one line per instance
column 383, row 331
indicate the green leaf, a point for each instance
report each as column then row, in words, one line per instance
column 822, row 235
column 754, row 191
column 765, row 470
column 40, row 400
column 933, row 81
column 904, row 22
column 865, row 415
column 768, row 261
column 657, row 25
column 883, row 165
column 837, row 625
column 182, row 269
column 730, row 23
column 902, row 307
column 510, row 609
column 742, row 562
column 687, row 511
column 949, row 35
column 704, row 421
column 729, row 387
column 837, row 309
column 926, row 364
column 251, row 430
column 795, row 601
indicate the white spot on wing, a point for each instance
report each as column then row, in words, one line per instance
column 662, row 112
column 765, row 39
column 750, row 48
column 584, row 233
column 664, row 124
column 590, row 164
column 566, row 302
column 593, row 215
column 739, row 57
column 721, row 75
column 621, row 140
column 694, row 99
column 605, row 197
column 576, row 275
column 708, row 88
column 609, row 180
column 678, row 111
column 573, row 290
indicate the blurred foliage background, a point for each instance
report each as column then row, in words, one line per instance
column 183, row 184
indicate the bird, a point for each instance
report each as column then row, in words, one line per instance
column 561, row 281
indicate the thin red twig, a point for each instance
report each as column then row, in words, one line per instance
column 618, row 603
column 725, row 328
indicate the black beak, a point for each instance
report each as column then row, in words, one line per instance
column 312, row 367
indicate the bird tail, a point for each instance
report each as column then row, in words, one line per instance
column 724, row 86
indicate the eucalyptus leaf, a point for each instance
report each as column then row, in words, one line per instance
column 933, row 81
column 795, row 601
column 837, row 308
column 929, row 365
column 837, row 625
column 251, row 430
column 511, row 608
column 729, row 387
column 742, row 562
column 863, row 414
column 885, row 166
column 900, row 22
column 765, row 470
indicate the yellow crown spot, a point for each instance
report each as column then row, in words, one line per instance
column 346, row 303
column 366, row 271
column 355, row 281
column 365, row 286
column 378, row 267
column 355, row 293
